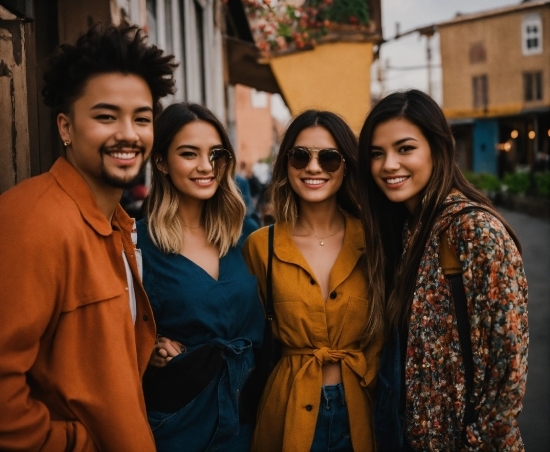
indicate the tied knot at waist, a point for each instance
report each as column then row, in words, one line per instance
column 323, row 355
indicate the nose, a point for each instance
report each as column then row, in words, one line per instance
column 205, row 165
column 313, row 165
column 391, row 162
column 127, row 132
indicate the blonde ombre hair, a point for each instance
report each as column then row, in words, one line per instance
column 222, row 215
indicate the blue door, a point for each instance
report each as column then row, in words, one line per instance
column 484, row 144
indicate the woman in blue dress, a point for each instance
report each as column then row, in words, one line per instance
column 204, row 299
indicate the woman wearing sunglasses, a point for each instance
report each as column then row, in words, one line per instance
column 204, row 299
column 459, row 298
column 318, row 396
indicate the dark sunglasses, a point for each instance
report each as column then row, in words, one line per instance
column 219, row 158
column 329, row 160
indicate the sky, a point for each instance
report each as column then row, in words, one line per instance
column 410, row 51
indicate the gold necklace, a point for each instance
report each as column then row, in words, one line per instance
column 321, row 239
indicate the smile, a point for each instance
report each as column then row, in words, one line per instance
column 123, row 155
column 396, row 180
column 313, row 181
column 205, row 181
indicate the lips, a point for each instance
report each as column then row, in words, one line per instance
column 313, row 181
column 395, row 180
column 123, row 155
column 203, row 181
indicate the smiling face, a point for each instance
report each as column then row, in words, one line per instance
column 109, row 130
column 401, row 161
column 188, row 161
column 312, row 183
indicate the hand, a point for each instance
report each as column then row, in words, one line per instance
column 165, row 349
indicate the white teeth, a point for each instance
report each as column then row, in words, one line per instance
column 123, row 155
column 397, row 180
column 203, row 181
column 314, row 181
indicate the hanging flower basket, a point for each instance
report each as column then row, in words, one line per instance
column 290, row 25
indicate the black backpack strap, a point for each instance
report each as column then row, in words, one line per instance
column 265, row 358
column 463, row 325
column 270, row 312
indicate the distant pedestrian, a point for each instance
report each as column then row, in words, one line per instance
column 446, row 328
column 209, row 316
column 76, row 328
column 319, row 395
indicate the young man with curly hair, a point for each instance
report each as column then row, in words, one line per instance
column 76, row 326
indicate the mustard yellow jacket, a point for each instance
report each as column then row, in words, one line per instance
column 314, row 331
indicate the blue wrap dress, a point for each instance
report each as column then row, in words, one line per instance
column 193, row 308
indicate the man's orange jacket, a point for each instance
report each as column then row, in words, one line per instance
column 71, row 358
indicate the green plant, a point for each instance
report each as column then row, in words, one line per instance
column 483, row 181
column 542, row 183
column 516, row 182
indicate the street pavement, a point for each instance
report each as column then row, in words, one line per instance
column 534, row 422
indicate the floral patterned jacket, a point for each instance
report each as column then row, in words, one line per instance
column 496, row 292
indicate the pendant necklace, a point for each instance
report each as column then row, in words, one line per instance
column 321, row 239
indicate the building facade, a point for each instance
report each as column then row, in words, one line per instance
column 496, row 86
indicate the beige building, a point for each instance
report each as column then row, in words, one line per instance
column 496, row 85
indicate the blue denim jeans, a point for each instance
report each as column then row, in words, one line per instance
column 332, row 430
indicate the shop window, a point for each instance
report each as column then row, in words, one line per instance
column 532, row 86
column 480, row 86
column 532, row 34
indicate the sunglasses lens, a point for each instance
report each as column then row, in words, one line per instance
column 298, row 158
column 220, row 157
column 330, row 160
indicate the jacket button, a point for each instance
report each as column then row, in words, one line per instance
column 312, row 281
column 309, row 407
column 145, row 317
column 333, row 294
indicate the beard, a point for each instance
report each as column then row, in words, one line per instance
column 128, row 179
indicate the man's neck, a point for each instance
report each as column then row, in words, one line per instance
column 106, row 197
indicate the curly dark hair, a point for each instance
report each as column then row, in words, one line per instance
column 106, row 48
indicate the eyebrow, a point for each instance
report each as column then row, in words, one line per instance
column 105, row 106
column 197, row 148
column 397, row 143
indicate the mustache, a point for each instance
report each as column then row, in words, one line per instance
column 122, row 145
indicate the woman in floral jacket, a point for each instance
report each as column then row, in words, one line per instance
column 410, row 176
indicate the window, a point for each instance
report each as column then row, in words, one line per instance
column 480, row 85
column 532, row 34
column 478, row 54
column 532, row 86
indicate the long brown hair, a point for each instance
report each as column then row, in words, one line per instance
column 386, row 219
column 223, row 214
column 286, row 202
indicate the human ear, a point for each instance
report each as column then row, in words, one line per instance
column 159, row 163
column 64, row 127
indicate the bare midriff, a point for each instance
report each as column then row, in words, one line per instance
column 332, row 374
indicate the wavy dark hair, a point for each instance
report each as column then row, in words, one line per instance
column 223, row 213
column 387, row 218
column 106, row 48
column 285, row 201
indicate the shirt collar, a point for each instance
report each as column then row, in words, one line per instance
column 72, row 182
column 352, row 248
